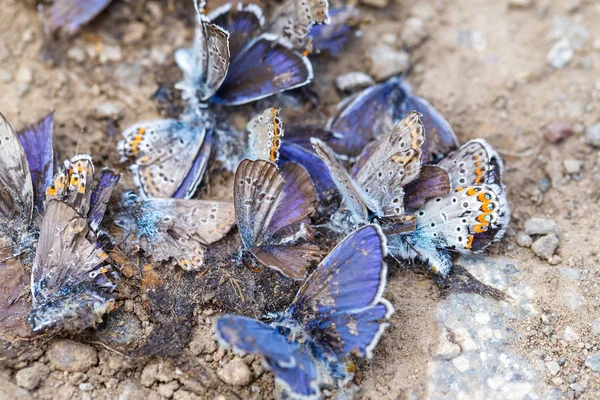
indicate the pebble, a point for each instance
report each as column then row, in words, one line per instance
column 67, row 355
column 571, row 274
column 596, row 327
column 108, row 110
column 24, row 75
column 235, row 373
column 385, row 61
column 570, row 335
column 540, row 226
column 10, row 391
column 520, row 3
column 111, row 53
column 592, row 135
column 557, row 381
column 29, row 378
column 414, row 32
column 167, row 389
column 524, row 240
column 86, row 387
column 545, row 246
column 557, row 132
column 353, row 81
column 375, row 3
column 134, row 33
column 76, row 54
column 160, row 372
column 185, row 395
column 553, row 367
column 593, row 362
column 560, row 54
column 572, row 166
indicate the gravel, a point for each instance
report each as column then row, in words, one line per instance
column 553, row 367
column 524, row 240
column 414, row 32
column 10, row 391
column 385, row 61
column 545, row 246
column 572, row 166
column 353, row 81
column 560, row 54
column 557, row 132
column 592, row 135
column 235, row 372
column 67, row 355
column 540, row 226
column 593, row 362
column 29, row 378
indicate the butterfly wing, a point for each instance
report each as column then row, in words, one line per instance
column 266, row 66
column 190, row 183
column 177, row 228
column 73, row 184
column 355, row 198
column 294, row 18
column 433, row 181
column 366, row 116
column 341, row 302
column 69, row 15
column 466, row 221
column 475, row 163
column 163, row 153
column 205, row 65
column 37, row 143
column 67, row 282
column 315, row 167
column 440, row 137
column 243, row 22
column 265, row 131
column 290, row 365
column 106, row 182
column 16, row 188
column 332, row 37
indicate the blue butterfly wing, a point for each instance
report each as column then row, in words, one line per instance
column 266, row 66
column 366, row 116
column 194, row 177
column 342, row 290
column 243, row 22
column 289, row 363
column 69, row 15
column 37, row 143
column 312, row 163
column 332, row 37
column 107, row 180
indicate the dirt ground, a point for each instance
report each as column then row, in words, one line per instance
column 484, row 65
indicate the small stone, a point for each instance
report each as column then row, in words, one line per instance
column 570, row 335
column 76, row 54
column 540, row 226
column 155, row 9
column 10, row 391
column 5, row 76
column 134, row 33
column 67, row 355
column 130, row 391
column 520, row 3
column 557, row 132
column 592, row 135
column 571, row 274
column 461, row 363
column 593, row 362
column 353, row 81
column 545, row 246
column 596, row 327
column 385, row 61
column 111, row 53
column 185, row 395
column 108, row 110
column 578, row 387
column 167, row 389
column 560, row 54
column 86, row 387
column 24, row 75
column 557, row 381
column 235, row 373
column 547, row 330
column 524, row 240
column 29, row 378
column 414, row 32
column 375, row 3
column 555, row 260
column 552, row 367
column 572, row 166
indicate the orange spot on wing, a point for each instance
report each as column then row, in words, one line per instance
column 470, row 242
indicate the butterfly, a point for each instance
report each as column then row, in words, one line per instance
column 71, row 284
column 338, row 311
column 265, row 132
column 332, row 37
column 68, row 16
column 294, row 19
column 262, row 64
column 466, row 220
column 177, row 229
column 272, row 209
column 375, row 191
column 26, row 167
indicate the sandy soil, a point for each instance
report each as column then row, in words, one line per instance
column 483, row 65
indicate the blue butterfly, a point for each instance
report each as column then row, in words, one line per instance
column 68, row 16
column 337, row 312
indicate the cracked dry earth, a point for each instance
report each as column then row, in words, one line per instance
column 521, row 74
